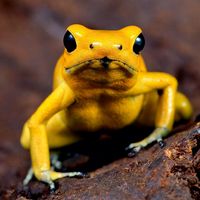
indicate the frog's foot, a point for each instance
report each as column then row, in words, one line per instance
column 157, row 135
column 133, row 149
column 48, row 176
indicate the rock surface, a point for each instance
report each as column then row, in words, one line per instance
column 31, row 41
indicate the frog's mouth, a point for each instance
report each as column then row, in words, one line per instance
column 104, row 63
column 104, row 70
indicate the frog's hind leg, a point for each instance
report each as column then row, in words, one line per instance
column 183, row 107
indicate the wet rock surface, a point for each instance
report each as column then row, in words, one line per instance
column 31, row 41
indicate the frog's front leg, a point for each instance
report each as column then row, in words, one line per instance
column 59, row 99
column 148, row 82
column 156, row 135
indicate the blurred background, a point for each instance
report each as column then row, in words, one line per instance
column 31, row 34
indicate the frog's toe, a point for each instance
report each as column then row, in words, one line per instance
column 133, row 149
column 57, row 175
column 161, row 143
column 28, row 177
column 75, row 174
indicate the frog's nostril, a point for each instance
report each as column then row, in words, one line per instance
column 91, row 46
column 119, row 47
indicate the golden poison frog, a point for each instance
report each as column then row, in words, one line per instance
column 101, row 82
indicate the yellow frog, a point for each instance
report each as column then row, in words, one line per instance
column 101, row 82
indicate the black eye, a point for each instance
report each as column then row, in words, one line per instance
column 139, row 44
column 69, row 42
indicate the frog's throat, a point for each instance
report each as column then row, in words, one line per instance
column 74, row 68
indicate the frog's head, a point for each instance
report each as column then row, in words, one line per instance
column 103, row 58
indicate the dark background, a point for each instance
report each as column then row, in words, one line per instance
column 31, row 35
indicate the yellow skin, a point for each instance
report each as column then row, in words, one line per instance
column 88, row 96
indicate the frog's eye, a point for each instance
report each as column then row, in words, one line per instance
column 69, row 42
column 139, row 44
